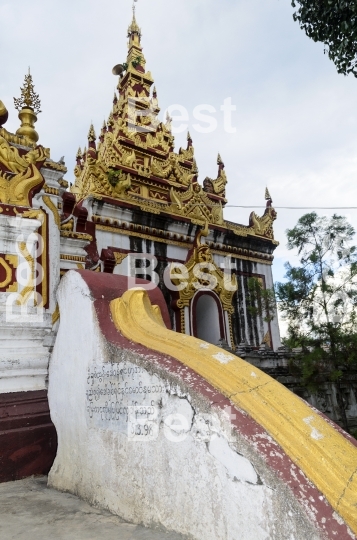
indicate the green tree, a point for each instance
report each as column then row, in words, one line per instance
column 334, row 23
column 262, row 301
column 319, row 301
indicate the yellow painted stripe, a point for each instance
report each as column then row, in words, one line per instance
column 322, row 453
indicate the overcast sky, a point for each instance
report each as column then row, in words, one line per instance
column 295, row 121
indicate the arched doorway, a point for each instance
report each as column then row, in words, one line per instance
column 207, row 317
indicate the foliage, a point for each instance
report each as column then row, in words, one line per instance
column 334, row 23
column 319, row 300
column 137, row 61
column 262, row 301
column 114, row 176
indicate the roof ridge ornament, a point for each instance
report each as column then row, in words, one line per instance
column 28, row 106
column 267, row 194
column 91, row 134
column 29, row 99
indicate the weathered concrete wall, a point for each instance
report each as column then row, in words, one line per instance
column 181, row 458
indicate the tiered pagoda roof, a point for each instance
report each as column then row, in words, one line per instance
column 134, row 162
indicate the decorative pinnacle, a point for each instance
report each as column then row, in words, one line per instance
column 29, row 99
column 134, row 27
column 219, row 160
column 79, row 153
column 189, row 138
column 267, row 194
column 91, row 134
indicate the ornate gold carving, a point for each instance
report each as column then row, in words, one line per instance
column 91, row 134
column 48, row 202
column 77, row 258
column 263, row 226
column 16, row 139
column 28, row 106
column 77, row 235
column 230, row 326
column 196, row 205
column 209, row 276
column 119, row 257
column 42, row 217
column 218, row 185
column 8, row 273
column 50, row 190
column 23, row 175
column 30, row 286
column 68, row 225
column 182, row 321
column 49, row 164
column 28, row 99
column 63, row 183
column 13, row 260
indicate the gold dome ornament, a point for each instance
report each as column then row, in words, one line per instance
column 3, row 114
column 28, row 106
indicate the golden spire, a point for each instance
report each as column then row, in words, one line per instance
column 28, row 106
column 219, row 160
column 91, row 134
column 134, row 27
column 267, row 194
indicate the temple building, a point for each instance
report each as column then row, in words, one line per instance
column 136, row 208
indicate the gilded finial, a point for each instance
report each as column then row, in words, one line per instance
column 134, row 27
column 29, row 98
column 28, row 106
column 267, row 194
column 189, row 138
column 79, row 153
column 219, row 160
column 91, row 134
